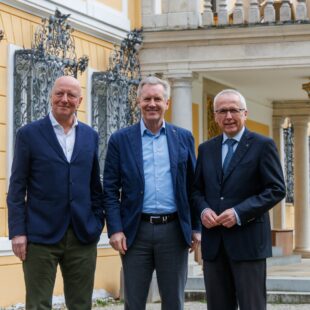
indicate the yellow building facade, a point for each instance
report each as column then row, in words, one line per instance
column 96, row 40
column 19, row 26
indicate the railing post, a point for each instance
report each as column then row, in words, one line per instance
column 238, row 14
column 223, row 13
column 254, row 14
column 285, row 11
column 207, row 16
column 301, row 10
column 269, row 12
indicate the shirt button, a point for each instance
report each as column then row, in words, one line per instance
column 141, row 192
column 222, row 198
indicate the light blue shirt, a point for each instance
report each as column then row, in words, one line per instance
column 237, row 137
column 158, row 192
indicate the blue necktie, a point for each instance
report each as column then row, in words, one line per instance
column 230, row 143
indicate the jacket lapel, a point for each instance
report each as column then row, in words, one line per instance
column 242, row 148
column 78, row 142
column 48, row 133
column 135, row 141
column 217, row 156
column 173, row 147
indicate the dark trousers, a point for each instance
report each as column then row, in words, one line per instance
column 77, row 262
column 230, row 284
column 160, row 247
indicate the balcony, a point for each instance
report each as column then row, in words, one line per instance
column 184, row 14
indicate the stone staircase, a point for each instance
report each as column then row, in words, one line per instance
column 288, row 279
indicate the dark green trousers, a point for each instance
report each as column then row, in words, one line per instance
column 77, row 262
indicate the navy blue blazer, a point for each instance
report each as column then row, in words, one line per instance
column 123, row 183
column 47, row 193
column 253, row 184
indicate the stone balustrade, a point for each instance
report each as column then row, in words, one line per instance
column 193, row 14
column 245, row 12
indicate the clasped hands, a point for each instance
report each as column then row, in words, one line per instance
column 210, row 219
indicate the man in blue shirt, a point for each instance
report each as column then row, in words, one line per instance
column 147, row 181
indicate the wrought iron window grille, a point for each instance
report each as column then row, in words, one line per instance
column 35, row 70
column 288, row 135
column 114, row 92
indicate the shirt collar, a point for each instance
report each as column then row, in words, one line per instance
column 237, row 137
column 56, row 124
column 144, row 130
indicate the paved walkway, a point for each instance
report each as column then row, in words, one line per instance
column 203, row 306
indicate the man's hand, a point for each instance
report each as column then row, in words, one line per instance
column 227, row 218
column 19, row 247
column 196, row 239
column 209, row 218
column 118, row 242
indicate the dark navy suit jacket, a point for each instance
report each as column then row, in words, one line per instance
column 47, row 193
column 124, row 179
column 252, row 185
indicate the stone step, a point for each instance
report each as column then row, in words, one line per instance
column 283, row 260
column 277, row 251
column 288, row 284
column 194, row 269
column 274, row 284
column 272, row 297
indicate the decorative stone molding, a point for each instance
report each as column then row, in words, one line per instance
column 1, row 34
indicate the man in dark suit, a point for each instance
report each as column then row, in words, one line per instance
column 148, row 176
column 238, row 179
column 55, row 201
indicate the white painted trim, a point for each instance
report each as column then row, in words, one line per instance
column 89, row 109
column 90, row 17
column 10, row 111
column 6, row 246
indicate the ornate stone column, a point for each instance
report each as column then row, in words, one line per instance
column 301, row 180
column 181, row 97
column 279, row 212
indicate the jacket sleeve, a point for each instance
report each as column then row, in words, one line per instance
column 16, row 199
column 96, row 187
column 199, row 202
column 191, row 163
column 273, row 186
column 112, row 186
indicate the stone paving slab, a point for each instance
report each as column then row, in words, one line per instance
column 203, row 306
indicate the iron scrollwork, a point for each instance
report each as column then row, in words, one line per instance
column 35, row 70
column 114, row 91
column 288, row 134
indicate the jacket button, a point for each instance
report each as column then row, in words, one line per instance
column 141, row 192
column 222, row 198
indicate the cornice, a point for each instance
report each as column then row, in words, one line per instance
column 89, row 17
column 229, row 35
column 291, row 108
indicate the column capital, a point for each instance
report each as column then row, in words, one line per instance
column 300, row 120
column 184, row 82
column 277, row 121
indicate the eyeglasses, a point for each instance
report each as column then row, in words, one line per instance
column 223, row 112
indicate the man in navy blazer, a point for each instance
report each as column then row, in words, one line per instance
column 148, row 177
column 238, row 179
column 55, row 201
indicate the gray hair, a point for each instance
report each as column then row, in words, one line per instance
column 153, row 80
column 230, row 91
